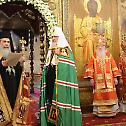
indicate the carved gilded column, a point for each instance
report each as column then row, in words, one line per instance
column 65, row 17
column 71, row 25
column 115, row 28
column 42, row 46
column 60, row 9
column 31, row 61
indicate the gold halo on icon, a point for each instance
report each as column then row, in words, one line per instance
column 98, row 2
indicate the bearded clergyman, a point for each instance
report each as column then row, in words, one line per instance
column 103, row 74
column 9, row 78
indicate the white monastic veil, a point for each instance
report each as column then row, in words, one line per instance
column 62, row 42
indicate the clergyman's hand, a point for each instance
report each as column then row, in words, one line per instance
column 22, row 59
column 92, row 82
column 5, row 63
column 116, row 81
column 57, row 51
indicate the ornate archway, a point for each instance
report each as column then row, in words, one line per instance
column 31, row 19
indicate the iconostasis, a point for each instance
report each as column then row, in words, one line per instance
column 80, row 18
column 87, row 17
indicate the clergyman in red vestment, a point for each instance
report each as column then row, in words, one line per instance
column 103, row 73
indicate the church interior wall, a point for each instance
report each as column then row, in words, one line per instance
column 110, row 13
column 76, row 21
column 73, row 17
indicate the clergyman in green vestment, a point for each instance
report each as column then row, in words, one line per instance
column 59, row 97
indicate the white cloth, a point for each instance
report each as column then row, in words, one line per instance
column 62, row 42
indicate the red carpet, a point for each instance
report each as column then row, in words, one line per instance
column 91, row 120
column 34, row 108
column 88, row 119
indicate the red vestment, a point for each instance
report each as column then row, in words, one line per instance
column 122, row 68
column 103, row 71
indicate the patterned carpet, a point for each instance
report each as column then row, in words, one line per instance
column 34, row 107
column 88, row 119
column 91, row 120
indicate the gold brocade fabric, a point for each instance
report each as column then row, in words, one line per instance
column 5, row 108
column 20, row 112
column 19, row 115
column 103, row 71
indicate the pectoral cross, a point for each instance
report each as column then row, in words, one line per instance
column 23, row 42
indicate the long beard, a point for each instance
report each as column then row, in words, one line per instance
column 100, row 53
column 1, row 48
column 5, row 52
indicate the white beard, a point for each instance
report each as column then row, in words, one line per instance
column 53, row 44
column 100, row 53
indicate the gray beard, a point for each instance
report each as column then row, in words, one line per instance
column 100, row 53
column 5, row 52
column 1, row 48
column 54, row 44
